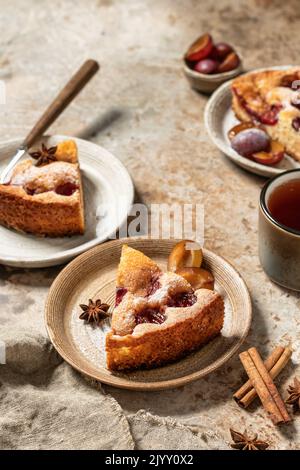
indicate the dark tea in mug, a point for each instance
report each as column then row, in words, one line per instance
column 279, row 229
column 284, row 204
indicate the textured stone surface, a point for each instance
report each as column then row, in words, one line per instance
column 141, row 108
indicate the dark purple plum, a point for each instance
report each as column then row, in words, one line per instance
column 250, row 141
column 206, row 66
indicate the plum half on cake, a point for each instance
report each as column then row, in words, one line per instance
column 158, row 317
column 271, row 100
column 44, row 197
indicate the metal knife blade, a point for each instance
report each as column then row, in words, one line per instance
column 5, row 173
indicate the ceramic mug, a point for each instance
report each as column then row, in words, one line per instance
column 279, row 246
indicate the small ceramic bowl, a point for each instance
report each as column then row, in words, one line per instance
column 279, row 246
column 209, row 83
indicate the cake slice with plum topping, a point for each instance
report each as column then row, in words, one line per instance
column 158, row 317
column 44, row 195
column 270, row 100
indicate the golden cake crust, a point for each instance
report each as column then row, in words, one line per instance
column 135, row 270
column 260, row 94
column 45, row 212
column 42, row 214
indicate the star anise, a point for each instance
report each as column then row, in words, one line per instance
column 294, row 395
column 94, row 312
column 244, row 442
column 44, row 155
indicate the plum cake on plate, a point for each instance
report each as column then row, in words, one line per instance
column 44, row 194
column 271, row 99
column 158, row 316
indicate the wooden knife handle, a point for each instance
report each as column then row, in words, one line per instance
column 67, row 94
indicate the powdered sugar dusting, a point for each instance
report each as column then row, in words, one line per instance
column 170, row 283
column 44, row 178
column 124, row 315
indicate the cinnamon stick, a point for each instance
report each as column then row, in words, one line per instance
column 264, row 386
column 274, row 364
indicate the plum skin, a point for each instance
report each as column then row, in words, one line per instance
column 230, row 62
column 206, row 66
column 200, row 49
column 250, row 141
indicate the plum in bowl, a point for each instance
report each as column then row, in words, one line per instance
column 207, row 64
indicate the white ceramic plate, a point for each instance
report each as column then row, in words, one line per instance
column 219, row 119
column 108, row 194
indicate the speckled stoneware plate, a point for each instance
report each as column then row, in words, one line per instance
column 92, row 275
column 219, row 119
column 108, row 196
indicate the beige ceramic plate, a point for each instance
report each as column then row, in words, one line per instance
column 92, row 275
column 219, row 118
column 105, row 209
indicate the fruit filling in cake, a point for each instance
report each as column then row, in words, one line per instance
column 183, row 299
column 120, row 292
column 154, row 285
column 170, row 290
column 150, row 315
column 44, row 195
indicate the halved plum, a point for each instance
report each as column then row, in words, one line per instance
column 250, row 141
column 206, row 66
column 230, row 62
column 185, row 253
column 200, row 49
column 222, row 49
column 275, row 155
column 242, row 126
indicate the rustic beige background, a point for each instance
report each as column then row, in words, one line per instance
column 141, row 108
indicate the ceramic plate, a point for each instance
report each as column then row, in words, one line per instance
column 92, row 275
column 108, row 194
column 219, row 119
